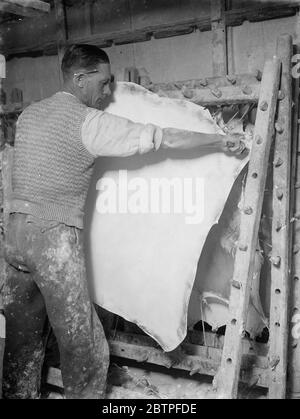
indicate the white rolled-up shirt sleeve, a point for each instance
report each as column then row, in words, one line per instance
column 104, row 134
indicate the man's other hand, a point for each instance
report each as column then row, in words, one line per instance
column 234, row 143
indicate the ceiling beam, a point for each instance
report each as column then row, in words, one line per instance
column 26, row 8
column 36, row 46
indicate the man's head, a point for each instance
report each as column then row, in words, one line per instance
column 86, row 72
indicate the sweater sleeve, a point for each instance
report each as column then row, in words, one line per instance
column 104, row 134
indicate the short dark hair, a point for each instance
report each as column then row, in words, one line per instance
column 84, row 56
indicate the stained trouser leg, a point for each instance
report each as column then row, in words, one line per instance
column 83, row 348
column 26, row 333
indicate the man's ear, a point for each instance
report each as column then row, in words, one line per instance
column 78, row 80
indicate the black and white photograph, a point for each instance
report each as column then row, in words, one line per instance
column 149, row 202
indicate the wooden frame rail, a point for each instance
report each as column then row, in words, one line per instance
column 210, row 91
column 227, row 378
column 249, row 361
column 196, row 358
column 26, row 8
column 281, row 260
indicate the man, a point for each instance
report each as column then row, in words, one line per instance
column 57, row 141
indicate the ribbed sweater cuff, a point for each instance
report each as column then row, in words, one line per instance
column 49, row 211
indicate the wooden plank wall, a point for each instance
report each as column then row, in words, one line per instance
column 170, row 59
column 61, row 33
column 122, row 21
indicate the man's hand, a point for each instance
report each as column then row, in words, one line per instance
column 234, row 143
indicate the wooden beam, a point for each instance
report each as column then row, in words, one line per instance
column 219, row 38
column 227, row 378
column 204, row 361
column 87, row 17
column 281, row 228
column 211, row 95
column 232, row 17
column 211, row 91
column 26, row 8
column 195, row 359
column 195, row 338
column 2, row 261
column 275, row 2
column 2, row 345
column 237, row 80
column 61, row 34
column 42, row 6
column 294, row 302
column 225, row 95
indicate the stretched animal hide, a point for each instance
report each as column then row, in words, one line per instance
column 142, row 265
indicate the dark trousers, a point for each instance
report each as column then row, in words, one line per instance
column 47, row 280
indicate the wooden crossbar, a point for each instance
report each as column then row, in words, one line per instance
column 226, row 381
column 197, row 359
column 26, row 8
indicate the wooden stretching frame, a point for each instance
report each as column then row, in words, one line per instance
column 269, row 370
column 227, row 378
column 233, row 358
column 211, row 91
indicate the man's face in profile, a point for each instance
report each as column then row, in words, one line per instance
column 97, row 85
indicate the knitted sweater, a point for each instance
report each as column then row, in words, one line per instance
column 52, row 168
